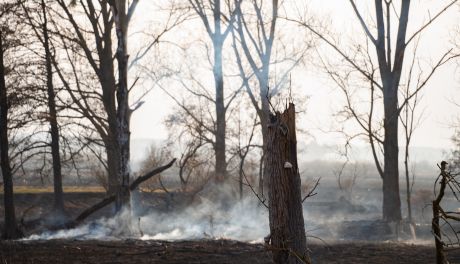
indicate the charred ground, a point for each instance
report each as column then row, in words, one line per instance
column 205, row 251
column 30, row 205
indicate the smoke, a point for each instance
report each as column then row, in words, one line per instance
column 101, row 229
column 245, row 220
column 218, row 214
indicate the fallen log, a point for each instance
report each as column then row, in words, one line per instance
column 110, row 199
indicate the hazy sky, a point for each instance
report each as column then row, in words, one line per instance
column 444, row 87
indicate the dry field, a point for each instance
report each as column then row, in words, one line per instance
column 32, row 202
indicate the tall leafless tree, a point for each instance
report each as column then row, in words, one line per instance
column 53, row 121
column 254, row 37
column 89, row 103
column 41, row 30
column 11, row 230
column 261, row 59
column 218, row 32
column 107, row 108
column 122, row 14
column 409, row 121
column 383, row 72
column 259, row 63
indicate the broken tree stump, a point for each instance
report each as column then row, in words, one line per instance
column 287, row 230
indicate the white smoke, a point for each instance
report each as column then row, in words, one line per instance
column 246, row 220
column 101, row 229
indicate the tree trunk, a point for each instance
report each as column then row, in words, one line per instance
column 52, row 118
column 391, row 198
column 11, row 230
column 436, row 228
column 408, row 185
column 287, row 230
column 110, row 138
column 108, row 83
column 264, row 117
column 123, row 110
column 102, row 63
column 221, row 162
column 112, row 165
column 391, row 75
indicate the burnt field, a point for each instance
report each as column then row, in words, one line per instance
column 205, row 251
column 169, row 239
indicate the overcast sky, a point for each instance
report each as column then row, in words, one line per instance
column 439, row 111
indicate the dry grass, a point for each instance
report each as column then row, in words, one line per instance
column 71, row 189
column 49, row 189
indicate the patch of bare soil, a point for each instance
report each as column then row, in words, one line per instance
column 205, row 251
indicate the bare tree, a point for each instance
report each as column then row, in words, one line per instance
column 262, row 38
column 410, row 122
column 122, row 14
column 263, row 49
column 218, row 32
column 443, row 224
column 194, row 116
column 254, row 37
column 192, row 139
column 90, row 55
column 11, row 230
column 243, row 149
column 99, row 108
column 383, row 73
column 54, row 130
column 41, row 31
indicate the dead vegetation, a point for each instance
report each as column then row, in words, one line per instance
column 445, row 223
column 204, row 251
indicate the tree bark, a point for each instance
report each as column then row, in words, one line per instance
column 263, row 117
column 287, row 230
column 123, row 110
column 52, row 118
column 109, row 86
column 218, row 37
column 112, row 165
column 391, row 75
column 408, row 184
column 221, row 162
column 391, row 197
column 11, row 230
